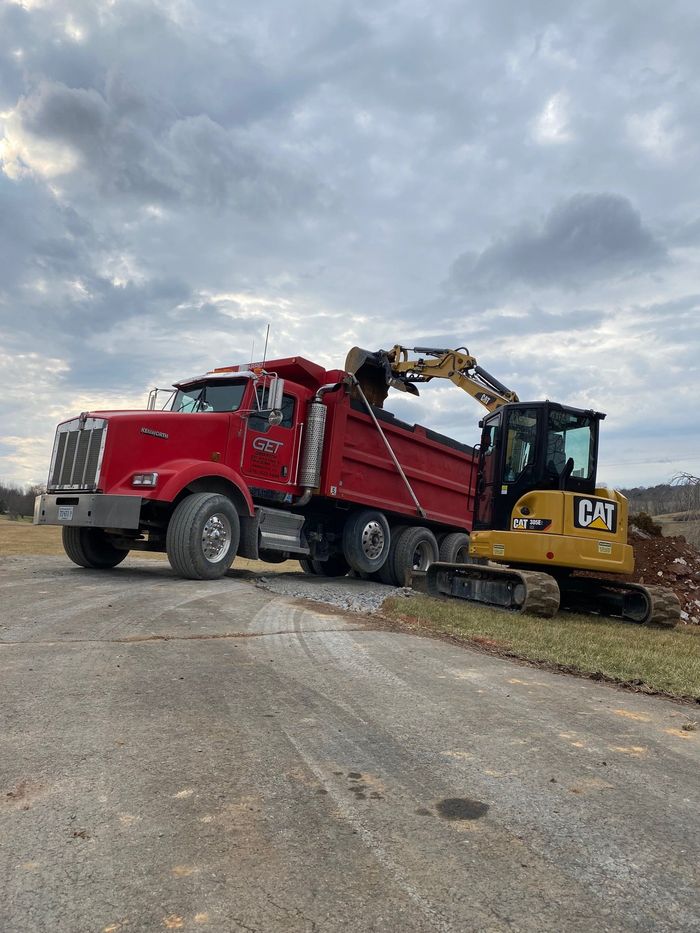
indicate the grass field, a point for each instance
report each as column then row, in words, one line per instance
column 682, row 524
column 653, row 659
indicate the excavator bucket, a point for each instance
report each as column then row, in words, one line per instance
column 374, row 375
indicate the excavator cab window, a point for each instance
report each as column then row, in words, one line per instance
column 538, row 445
column 570, row 436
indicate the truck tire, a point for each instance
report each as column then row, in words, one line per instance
column 454, row 548
column 416, row 549
column 366, row 540
column 387, row 573
column 335, row 566
column 202, row 537
column 90, row 547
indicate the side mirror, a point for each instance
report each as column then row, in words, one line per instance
column 276, row 394
column 275, row 417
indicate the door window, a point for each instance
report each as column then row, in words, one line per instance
column 521, row 442
column 260, row 422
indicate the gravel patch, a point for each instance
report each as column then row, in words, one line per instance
column 349, row 593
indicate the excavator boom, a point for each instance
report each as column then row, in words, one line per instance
column 378, row 371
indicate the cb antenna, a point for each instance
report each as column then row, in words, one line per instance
column 267, row 337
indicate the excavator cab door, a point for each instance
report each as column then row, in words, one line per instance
column 489, row 474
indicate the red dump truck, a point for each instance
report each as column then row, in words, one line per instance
column 269, row 462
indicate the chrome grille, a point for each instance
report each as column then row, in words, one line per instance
column 77, row 454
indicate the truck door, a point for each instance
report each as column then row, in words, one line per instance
column 270, row 452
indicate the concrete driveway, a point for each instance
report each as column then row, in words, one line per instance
column 193, row 756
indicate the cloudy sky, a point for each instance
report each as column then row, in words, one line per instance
column 521, row 179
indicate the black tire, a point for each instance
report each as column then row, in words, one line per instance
column 416, row 549
column 387, row 573
column 454, row 548
column 335, row 566
column 90, row 547
column 202, row 537
column 366, row 540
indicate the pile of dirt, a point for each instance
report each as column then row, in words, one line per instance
column 670, row 562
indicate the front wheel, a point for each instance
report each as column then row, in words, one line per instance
column 90, row 547
column 203, row 535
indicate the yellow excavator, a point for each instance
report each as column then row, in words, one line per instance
column 542, row 527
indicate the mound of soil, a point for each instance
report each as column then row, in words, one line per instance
column 670, row 562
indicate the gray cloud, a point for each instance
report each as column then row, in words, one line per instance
column 589, row 237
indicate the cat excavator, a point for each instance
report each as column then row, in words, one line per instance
column 542, row 526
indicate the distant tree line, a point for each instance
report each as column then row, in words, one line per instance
column 682, row 494
column 18, row 501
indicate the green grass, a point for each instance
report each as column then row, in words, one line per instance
column 659, row 660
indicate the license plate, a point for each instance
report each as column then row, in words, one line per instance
column 65, row 513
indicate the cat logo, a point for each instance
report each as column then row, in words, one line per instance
column 596, row 514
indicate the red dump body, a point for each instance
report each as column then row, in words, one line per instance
column 358, row 469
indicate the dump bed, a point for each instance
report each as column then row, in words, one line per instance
column 357, row 467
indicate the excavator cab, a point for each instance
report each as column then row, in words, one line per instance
column 528, row 446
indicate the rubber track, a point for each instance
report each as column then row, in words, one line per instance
column 541, row 590
column 665, row 607
column 542, row 597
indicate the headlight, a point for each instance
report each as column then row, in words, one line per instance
column 144, row 479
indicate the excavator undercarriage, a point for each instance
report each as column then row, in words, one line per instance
column 540, row 594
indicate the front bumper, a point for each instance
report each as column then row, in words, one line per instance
column 90, row 510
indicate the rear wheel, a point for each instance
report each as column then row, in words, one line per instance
column 387, row 574
column 90, row 547
column 416, row 549
column 335, row 566
column 454, row 548
column 202, row 537
column 366, row 540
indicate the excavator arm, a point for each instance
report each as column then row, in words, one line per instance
column 377, row 372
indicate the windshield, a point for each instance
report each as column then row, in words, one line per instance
column 570, row 436
column 210, row 396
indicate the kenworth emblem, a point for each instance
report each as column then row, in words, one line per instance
column 153, row 433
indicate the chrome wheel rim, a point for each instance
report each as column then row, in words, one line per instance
column 372, row 540
column 216, row 538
